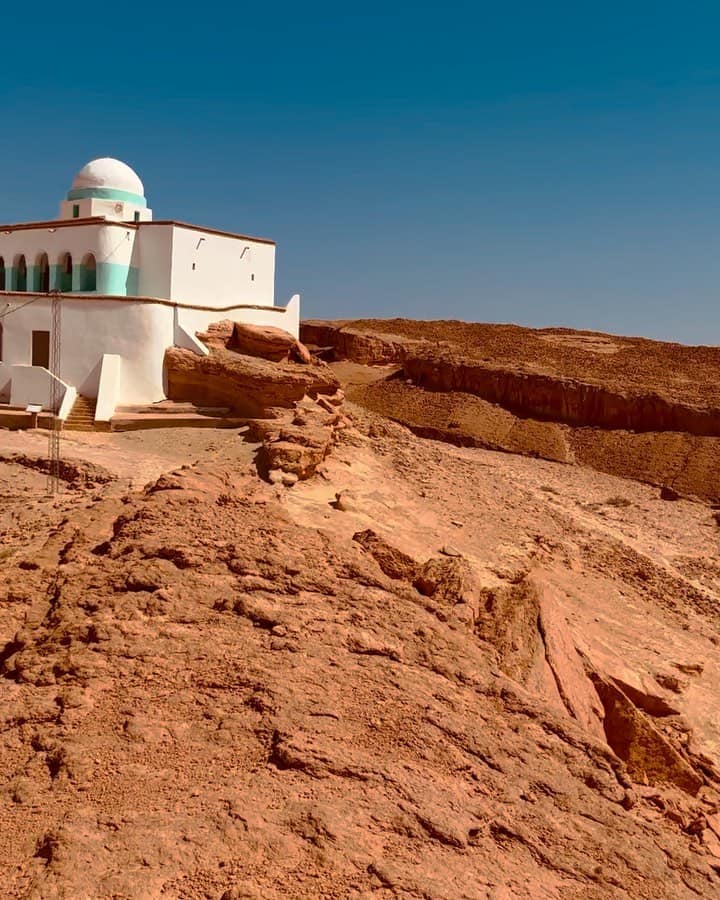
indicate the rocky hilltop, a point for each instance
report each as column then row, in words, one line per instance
column 324, row 656
column 629, row 406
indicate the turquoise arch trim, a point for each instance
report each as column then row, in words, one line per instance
column 118, row 280
column 56, row 272
column 111, row 278
column 106, row 194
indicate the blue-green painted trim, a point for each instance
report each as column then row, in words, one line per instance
column 118, row 280
column 106, row 194
column 55, row 276
column 133, row 281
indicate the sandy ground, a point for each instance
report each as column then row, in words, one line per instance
column 210, row 691
column 135, row 457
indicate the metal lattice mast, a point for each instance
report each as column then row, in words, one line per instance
column 55, row 398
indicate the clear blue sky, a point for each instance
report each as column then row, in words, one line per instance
column 541, row 163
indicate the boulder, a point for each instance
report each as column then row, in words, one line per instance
column 246, row 385
column 393, row 562
column 264, row 341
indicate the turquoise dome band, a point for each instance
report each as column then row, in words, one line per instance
column 99, row 193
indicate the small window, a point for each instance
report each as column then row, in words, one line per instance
column 252, row 277
column 76, row 210
column 136, row 215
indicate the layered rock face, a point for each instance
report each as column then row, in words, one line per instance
column 660, row 434
column 559, row 399
column 370, row 348
column 240, row 373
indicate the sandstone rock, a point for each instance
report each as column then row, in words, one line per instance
column 576, row 690
column 346, row 501
column 247, row 385
column 690, row 668
column 449, row 581
column 648, row 755
column 263, row 341
column 449, row 550
column 393, row 562
column 299, row 459
column 359, row 346
column 670, row 682
column 298, row 723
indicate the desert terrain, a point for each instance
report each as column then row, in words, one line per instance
column 433, row 636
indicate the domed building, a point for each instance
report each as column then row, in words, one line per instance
column 128, row 287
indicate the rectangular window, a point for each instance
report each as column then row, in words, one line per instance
column 41, row 349
column 76, row 210
column 137, row 216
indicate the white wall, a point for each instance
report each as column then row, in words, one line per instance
column 137, row 332
column 110, row 243
column 216, row 270
column 118, row 210
column 109, row 388
column 153, row 256
column 33, row 385
column 285, row 317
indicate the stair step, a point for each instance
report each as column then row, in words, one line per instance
column 82, row 415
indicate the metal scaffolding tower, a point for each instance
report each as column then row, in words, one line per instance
column 55, row 398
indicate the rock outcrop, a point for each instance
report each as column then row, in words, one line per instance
column 558, row 399
column 663, row 436
column 293, row 448
column 247, row 385
column 213, row 688
column 370, row 348
column 266, row 342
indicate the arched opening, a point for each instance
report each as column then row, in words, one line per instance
column 65, row 273
column 20, row 273
column 88, row 273
column 42, row 273
column 2, row 278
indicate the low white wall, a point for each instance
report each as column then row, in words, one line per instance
column 138, row 332
column 33, row 385
column 108, row 396
column 67, row 403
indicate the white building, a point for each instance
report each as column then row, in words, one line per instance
column 129, row 287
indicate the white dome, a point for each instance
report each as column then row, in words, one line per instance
column 108, row 173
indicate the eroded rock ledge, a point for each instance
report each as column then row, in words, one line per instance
column 246, row 384
column 541, row 396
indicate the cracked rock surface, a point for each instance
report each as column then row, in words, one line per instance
column 475, row 676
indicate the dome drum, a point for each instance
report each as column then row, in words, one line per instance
column 108, row 188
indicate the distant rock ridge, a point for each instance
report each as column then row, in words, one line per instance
column 543, row 396
column 444, row 394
